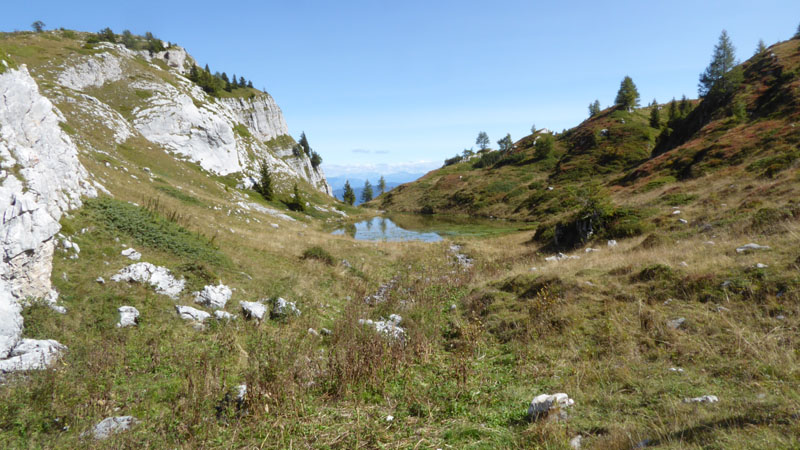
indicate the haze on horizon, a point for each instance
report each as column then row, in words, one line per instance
column 402, row 86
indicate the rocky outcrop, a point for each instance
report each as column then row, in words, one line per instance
column 111, row 426
column 260, row 114
column 92, row 71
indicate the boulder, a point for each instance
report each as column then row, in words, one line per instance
column 32, row 354
column 223, row 315
column 253, row 310
column 388, row 328
column 751, row 246
column 213, row 296
column 283, row 308
column 111, row 426
column 545, row 404
column 189, row 313
column 676, row 323
column 703, row 399
column 128, row 316
column 158, row 277
column 132, row 254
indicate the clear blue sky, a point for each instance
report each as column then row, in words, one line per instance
column 396, row 83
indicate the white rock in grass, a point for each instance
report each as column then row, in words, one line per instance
column 761, row 266
column 111, row 426
column 543, row 404
column 253, row 310
column 683, row 221
column 282, row 308
column 128, row 316
column 575, row 443
column 213, row 296
column 677, row 323
column 224, row 315
column 130, row 253
column 751, row 246
column 158, row 277
column 676, row 212
column 189, row 313
column 387, row 328
column 241, row 392
column 10, row 322
column 32, row 354
column 611, row 243
column 703, row 399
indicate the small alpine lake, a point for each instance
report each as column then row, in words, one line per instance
column 425, row 228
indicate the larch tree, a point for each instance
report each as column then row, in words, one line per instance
column 628, row 95
column 722, row 61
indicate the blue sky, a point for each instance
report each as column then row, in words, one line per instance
column 404, row 85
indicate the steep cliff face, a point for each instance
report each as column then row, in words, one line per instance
column 41, row 179
column 139, row 94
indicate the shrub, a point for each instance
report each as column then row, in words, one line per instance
column 318, row 253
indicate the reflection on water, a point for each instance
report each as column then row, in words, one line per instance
column 384, row 229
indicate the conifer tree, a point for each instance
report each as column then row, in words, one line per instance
column 797, row 33
column 594, row 108
column 655, row 115
column 628, row 95
column 761, row 47
column 482, row 141
column 297, row 203
column 242, row 83
column 505, row 144
column 250, row 84
column 722, row 61
column 304, row 143
column 234, row 83
column 673, row 110
column 349, row 196
column 366, row 194
column 38, row 26
column 685, row 106
column 382, row 184
column 264, row 185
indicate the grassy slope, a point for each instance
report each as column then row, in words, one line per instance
column 594, row 328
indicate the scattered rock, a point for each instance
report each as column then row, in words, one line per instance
column 382, row 294
column 326, row 332
column 561, row 257
column 128, row 316
column 111, row 426
column 575, row 443
column 388, row 328
column 282, row 309
column 751, row 246
column 676, row 212
column 709, row 243
column 156, row 276
column 213, row 296
column 453, row 307
column 100, row 280
column 313, row 332
column 683, row 221
column 676, row 323
column 676, row 369
column 241, row 392
column 132, row 254
column 223, row 315
column 761, row 266
column 542, row 405
column 32, row 354
column 274, row 225
column 389, row 418
column 189, row 313
column 253, row 310
column 684, row 264
column 721, row 308
column 591, row 250
column 611, row 243
column 703, row 399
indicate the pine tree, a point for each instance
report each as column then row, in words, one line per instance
column 234, row 83
column 722, row 61
column 482, row 141
column 761, row 47
column 297, row 203
column 242, row 83
column 505, row 144
column 366, row 194
column 594, row 108
column 304, row 143
column 349, row 196
column 316, row 160
column 685, row 106
column 655, row 115
column 673, row 110
column 207, row 69
column 382, row 184
column 264, row 185
column 250, row 84
column 627, row 96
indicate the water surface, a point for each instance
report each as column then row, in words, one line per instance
column 426, row 228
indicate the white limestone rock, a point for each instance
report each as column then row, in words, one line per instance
column 189, row 313
column 282, row 308
column 213, row 296
column 388, row 328
column 128, row 316
column 92, row 71
column 224, row 315
column 131, row 254
column 253, row 310
column 11, row 322
column 158, row 277
column 32, row 354
column 676, row 323
column 542, row 405
column 111, row 426
column 751, row 246
column 703, row 399
column 611, row 243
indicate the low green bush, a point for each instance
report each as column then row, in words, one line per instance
column 318, row 253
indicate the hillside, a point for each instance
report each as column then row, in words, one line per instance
column 617, row 155
column 150, row 298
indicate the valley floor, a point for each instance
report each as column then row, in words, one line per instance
column 480, row 341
